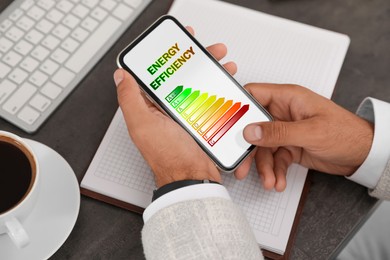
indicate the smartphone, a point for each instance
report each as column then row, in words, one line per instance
column 182, row 78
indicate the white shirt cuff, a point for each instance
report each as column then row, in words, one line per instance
column 197, row 191
column 377, row 112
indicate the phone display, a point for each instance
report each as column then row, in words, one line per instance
column 184, row 80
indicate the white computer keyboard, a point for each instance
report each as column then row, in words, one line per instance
column 47, row 47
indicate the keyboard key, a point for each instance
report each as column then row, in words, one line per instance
column 63, row 77
column 44, row 26
column 4, row 70
column 70, row 45
column 5, row 25
column 34, row 36
column 133, row 3
column 40, row 53
column 65, row 6
column 80, row 11
column 5, row 44
column 19, row 98
column 90, row 3
column 6, row 88
column 92, row 45
column 61, row 31
column 51, row 90
column 26, row 5
column 12, row 58
column 80, row 34
column 38, row 78
column 18, row 75
column 49, row 66
column 23, row 47
column 40, row 102
column 25, row 23
column 46, row 4
column 122, row 12
column 28, row 115
column 16, row 14
column 14, row 34
column 50, row 42
column 59, row 55
column 36, row 13
column 99, row 14
column 55, row 16
column 29, row 64
column 71, row 21
column 108, row 4
column 89, row 24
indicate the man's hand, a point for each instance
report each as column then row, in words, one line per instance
column 308, row 129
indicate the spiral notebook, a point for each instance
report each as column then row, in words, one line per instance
column 266, row 49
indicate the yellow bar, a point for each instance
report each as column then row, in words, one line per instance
column 201, row 109
column 214, row 118
column 208, row 113
column 194, row 105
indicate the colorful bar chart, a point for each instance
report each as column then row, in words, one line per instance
column 210, row 116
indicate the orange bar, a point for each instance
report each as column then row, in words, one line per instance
column 223, row 130
column 215, row 117
column 221, row 121
column 201, row 109
column 208, row 113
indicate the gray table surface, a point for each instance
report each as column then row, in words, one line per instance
column 334, row 205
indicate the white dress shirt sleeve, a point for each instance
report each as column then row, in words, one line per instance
column 377, row 112
column 197, row 191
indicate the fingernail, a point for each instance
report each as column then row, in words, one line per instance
column 253, row 133
column 118, row 76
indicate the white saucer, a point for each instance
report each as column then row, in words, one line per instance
column 55, row 212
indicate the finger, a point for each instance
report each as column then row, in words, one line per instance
column 130, row 99
column 282, row 160
column 190, row 30
column 265, row 167
column 231, row 67
column 218, row 50
column 243, row 170
column 279, row 133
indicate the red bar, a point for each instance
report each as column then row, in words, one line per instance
column 221, row 121
column 228, row 125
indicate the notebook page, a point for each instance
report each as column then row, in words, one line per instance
column 267, row 49
column 118, row 169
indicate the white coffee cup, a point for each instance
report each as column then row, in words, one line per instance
column 16, row 205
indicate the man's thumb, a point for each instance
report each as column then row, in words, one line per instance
column 130, row 99
column 275, row 134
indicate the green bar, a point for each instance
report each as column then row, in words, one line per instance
column 208, row 113
column 181, row 97
column 202, row 109
column 194, row 105
column 194, row 95
column 174, row 93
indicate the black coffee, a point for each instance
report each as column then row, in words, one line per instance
column 15, row 175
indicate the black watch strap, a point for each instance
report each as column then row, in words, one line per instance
column 177, row 185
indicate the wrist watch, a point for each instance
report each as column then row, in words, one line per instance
column 177, row 185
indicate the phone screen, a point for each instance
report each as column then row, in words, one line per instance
column 194, row 89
